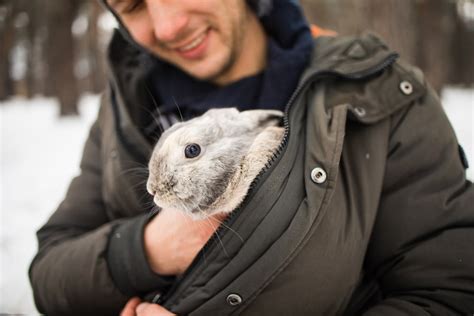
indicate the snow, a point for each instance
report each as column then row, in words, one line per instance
column 459, row 106
column 40, row 154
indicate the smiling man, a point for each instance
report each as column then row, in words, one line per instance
column 218, row 41
column 362, row 211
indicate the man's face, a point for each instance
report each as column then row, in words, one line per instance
column 202, row 37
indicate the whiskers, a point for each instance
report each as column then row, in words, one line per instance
column 154, row 209
column 217, row 225
column 225, row 226
column 157, row 121
column 139, row 177
column 163, row 121
column 179, row 110
column 214, row 227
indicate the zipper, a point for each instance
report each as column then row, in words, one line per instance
column 389, row 60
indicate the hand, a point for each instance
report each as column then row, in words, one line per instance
column 135, row 307
column 173, row 239
column 130, row 307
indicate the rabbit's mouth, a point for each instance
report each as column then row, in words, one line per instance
column 205, row 200
column 197, row 197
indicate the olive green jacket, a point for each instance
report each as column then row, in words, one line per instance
column 364, row 209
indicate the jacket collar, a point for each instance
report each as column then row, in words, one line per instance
column 352, row 64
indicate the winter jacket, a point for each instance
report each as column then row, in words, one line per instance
column 363, row 210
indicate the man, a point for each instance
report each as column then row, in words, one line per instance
column 365, row 209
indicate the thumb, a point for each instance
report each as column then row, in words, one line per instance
column 129, row 309
column 147, row 309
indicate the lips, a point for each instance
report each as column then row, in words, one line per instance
column 193, row 44
column 196, row 48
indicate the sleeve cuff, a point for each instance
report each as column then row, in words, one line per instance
column 127, row 260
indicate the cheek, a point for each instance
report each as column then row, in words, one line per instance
column 141, row 30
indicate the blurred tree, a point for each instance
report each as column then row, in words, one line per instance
column 38, row 30
column 6, row 38
column 96, row 52
column 436, row 25
column 427, row 33
column 462, row 49
column 89, row 68
column 20, row 55
column 60, row 53
column 57, row 48
column 393, row 20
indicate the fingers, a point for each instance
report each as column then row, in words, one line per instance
column 147, row 309
column 129, row 309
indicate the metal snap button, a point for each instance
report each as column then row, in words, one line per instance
column 360, row 111
column 318, row 175
column 234, row 299
column 406, row 87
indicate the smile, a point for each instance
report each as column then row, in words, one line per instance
column 195, row 49
column 195, row 43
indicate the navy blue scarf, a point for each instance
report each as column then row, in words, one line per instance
column 289, row 49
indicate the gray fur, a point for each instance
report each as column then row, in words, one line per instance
column 235, row 146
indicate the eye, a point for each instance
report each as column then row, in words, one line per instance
column 133, row 5
column 125, row 6
column 192, row 150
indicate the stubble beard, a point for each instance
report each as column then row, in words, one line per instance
column 234, row 47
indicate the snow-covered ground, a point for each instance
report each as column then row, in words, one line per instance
column 40, row 154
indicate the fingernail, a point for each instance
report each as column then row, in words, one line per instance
column 140, row 307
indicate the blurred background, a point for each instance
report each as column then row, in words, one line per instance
column 52, row 68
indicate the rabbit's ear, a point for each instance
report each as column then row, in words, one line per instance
column 261, row 118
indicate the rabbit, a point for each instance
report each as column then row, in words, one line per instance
column 205, row 166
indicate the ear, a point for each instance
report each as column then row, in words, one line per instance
column 259, row 119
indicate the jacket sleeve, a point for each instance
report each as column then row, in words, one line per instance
column 71, row 273
column 69, row 267
column 421, row 248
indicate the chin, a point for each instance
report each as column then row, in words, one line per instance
column 210, row 69
column 206, row 74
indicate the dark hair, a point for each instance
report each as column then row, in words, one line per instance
column 261, row 7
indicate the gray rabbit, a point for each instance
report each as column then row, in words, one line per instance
column 205, row 165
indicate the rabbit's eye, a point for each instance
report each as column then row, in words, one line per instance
column 192, row 151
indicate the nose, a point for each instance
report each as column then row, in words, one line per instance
column 168, row 20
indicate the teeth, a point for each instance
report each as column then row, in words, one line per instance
column 193, row 44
